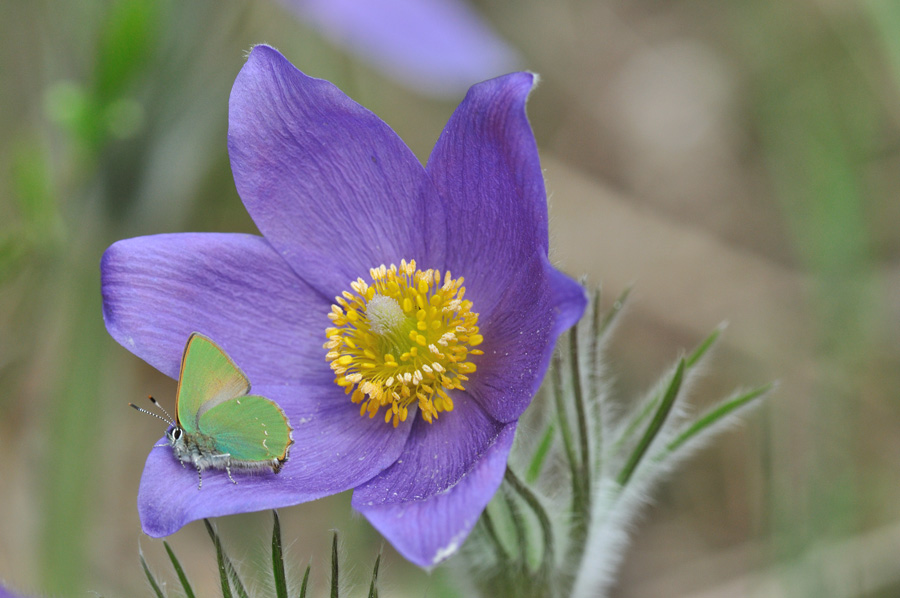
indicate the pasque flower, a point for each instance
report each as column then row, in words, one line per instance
column 438, row 47
column 5, row 593
column 402, row 316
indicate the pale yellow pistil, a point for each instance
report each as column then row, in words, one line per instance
column 404, row 339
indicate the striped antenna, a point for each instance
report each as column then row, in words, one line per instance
column 169, row 421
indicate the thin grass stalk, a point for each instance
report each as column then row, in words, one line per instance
column 305, row 582
column 659, row 418
column 712, row 416
column 153, row 583
column 278, row 575
column 373, row 589
column 179, row 571
column 220, row 560
column 334, row 567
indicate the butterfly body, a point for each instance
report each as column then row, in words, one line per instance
column 204, row 452
column 218, row 425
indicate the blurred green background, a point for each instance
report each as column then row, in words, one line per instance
column 734, row 160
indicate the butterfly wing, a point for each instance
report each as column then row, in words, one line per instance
column 249, row 428
column 208, row 378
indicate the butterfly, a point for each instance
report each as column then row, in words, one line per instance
column 217, row 424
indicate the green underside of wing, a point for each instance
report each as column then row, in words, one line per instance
column 208, row 377
column 249, row 428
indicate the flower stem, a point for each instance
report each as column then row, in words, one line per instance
column 548, row 559
column 491, row 531
column 518, row 524
column 564, row 428
column 581, row 413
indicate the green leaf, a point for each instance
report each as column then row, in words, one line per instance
column 334, row 567
column 126, row 43
column 373, row 590
column 662, row 412
column 712, row 416
column 278, row 559
column 153, row 583
column 305, row 582
column 188, row 591
column 540, row 454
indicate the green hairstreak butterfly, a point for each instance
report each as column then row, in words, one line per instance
column 217, row 423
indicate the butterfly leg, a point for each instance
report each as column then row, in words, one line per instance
column 199, row 477
column 228, row 471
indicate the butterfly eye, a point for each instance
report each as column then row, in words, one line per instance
column 176, row 434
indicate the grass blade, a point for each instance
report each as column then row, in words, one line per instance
column 705, row 346
column 662, row 412
column 220, row 559
column 225, row 566
column 278, row 559
column 602, row 327
column 373, row 590
column 188, row 591
column 648, row 408
column 305, row 582
column 334, row 567
column 540, row 454
column 712, row 416
column 153, row 583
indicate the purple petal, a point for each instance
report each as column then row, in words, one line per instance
column 428, row 501
column 438, row 47
column 519, row 336
column 334, row 449
column 327, row 182
column 5, row 593
column 233, row 288
column 485, row 165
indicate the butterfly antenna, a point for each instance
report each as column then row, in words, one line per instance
column 150, row 413
column 169, row 421
column 160, row 407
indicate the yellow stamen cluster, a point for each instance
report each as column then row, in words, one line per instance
column 405, row 338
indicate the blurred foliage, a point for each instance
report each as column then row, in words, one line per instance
column 114, row 124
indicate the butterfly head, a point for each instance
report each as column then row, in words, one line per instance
column 175, row 436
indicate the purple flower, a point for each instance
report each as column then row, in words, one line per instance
column 438, row 47
column 5, row 593
column 336, row 194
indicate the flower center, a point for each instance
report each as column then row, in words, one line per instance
column 405, row 338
